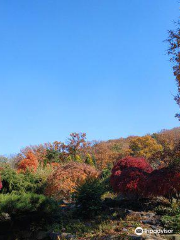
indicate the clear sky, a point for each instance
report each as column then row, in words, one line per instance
column 94, row 66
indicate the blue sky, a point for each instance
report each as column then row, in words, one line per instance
column 96, row 66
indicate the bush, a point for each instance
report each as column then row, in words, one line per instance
column 171, row 210
column 17, row 204
column 88, row 198
column 19, row 182
column 164, row 182
column 134, row 177
column 136, row 162
column 129, row 174
column 105, row 179
column 131, row 182
column 171, row 222
column 65, row 178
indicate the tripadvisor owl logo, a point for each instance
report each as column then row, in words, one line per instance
column 139, row 231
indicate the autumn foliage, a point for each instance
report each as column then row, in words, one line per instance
column 69, row 164
column 131, row 182
column 65, row 178
column 164, row 182
column 144, row 146
column 135, row 177
column 136, row 162
column 30, row 163
column 128, row 175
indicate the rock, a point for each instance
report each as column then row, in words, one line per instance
column 150, row 222
column 143, row 215
column 133, row 214
column 149, row 215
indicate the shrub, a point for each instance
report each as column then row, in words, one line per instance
column 134, row 176
column 19, row 182
column 136, row 162
column 88, row 197
column 105, row 179
column 171, row 222
column 17, row 204
column 131, row 182
column 12, row 181
column 65, row 178
column 158, row 184
column 170, row 216
column 164, row 182
column 128, row 174
column 167, row 210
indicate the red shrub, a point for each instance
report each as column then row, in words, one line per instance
column 156, row 184
column 163, row 182
column 136, row 162
column 131, row 182
column 134, row 176
column 128, row 172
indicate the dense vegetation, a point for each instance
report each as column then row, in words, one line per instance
column 47, row 186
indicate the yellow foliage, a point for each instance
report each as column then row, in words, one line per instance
column 144, row 146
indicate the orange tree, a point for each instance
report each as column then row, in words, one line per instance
column 76, row 143
column 103, row 154
column 30, row 163
column 65, row 178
